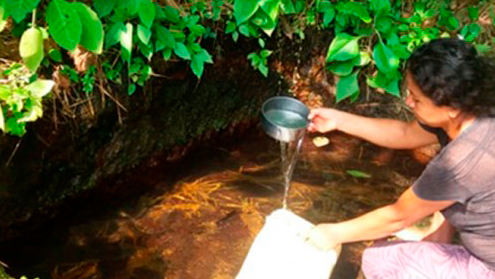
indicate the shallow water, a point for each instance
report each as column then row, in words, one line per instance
column 199, row 223
column 286, row 118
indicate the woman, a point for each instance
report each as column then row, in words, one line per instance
column 451, row 91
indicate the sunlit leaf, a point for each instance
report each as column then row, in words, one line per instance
column 244, row 9
column 144, row 34
column 64, row 24
column 197, row 65
column 181, row 50
column 343, row 47
column 31, row 48
column 385, row 59
column 205, row 56
column 357, row 9
column 113, row 35
column 270, row 7
column 125, row 39
column 92, row 29
column 3, row 15
column 40, row 87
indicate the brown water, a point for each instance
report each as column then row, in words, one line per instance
column 205, row 212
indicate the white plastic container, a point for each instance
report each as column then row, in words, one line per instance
column 279, row 251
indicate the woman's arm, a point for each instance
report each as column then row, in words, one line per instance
column 389, row 133
column 379, row 223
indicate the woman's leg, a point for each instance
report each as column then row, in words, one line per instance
column 421, row 260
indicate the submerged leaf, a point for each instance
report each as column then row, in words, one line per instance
column 358, row 174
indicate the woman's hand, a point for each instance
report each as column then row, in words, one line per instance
column 322, row 237
column 323, row 120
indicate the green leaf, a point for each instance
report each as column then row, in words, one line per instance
column 40, row 87
column 205, row 56
column 358, row 174
column 393, row 87
column 125, row 39
column 197, row 65
column 235, row 36
column 244, row 9
column 328, row 16
column 165, row 36
column 288, row 7
column 171, row 14
column 3, row 16
column 113, row 35
column 380, row 6
column 453, row 23
column 265, row 53
column 384, row 24
column 55, row 55
column 147, row 12
column 92, row 29
column 244, row 30
column 133, row 6
column 357, row 9
column 263, row 69
column 347, row 86
column 343, row 47
column 261, row 42
column 19, row 8
column 31, row 48
column 385, row 59
column 230, row 27
column 104, row 7
column 363, row 59
column 146, row 50
column 473, row 13
column 197, row 29
column 181, row 50
column 64, row 24
column 270, row 7
column 131, row 89
column 483, row 48
column 144, row 34
column 342, row 68
column 167, row 53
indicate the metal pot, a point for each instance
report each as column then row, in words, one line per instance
column 284, row 118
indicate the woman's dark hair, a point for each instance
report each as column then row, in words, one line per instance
column 451, row 73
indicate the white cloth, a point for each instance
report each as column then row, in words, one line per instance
column 279, row 251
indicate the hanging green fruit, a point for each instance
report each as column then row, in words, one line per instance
column 31, row 48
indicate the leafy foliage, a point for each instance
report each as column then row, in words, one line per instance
column 372, row 38
column 21, row 100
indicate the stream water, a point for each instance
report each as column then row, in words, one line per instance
column 205, row 211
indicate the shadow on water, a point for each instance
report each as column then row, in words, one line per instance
column 198, row 217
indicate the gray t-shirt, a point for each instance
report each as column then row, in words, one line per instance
column 464, row 171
